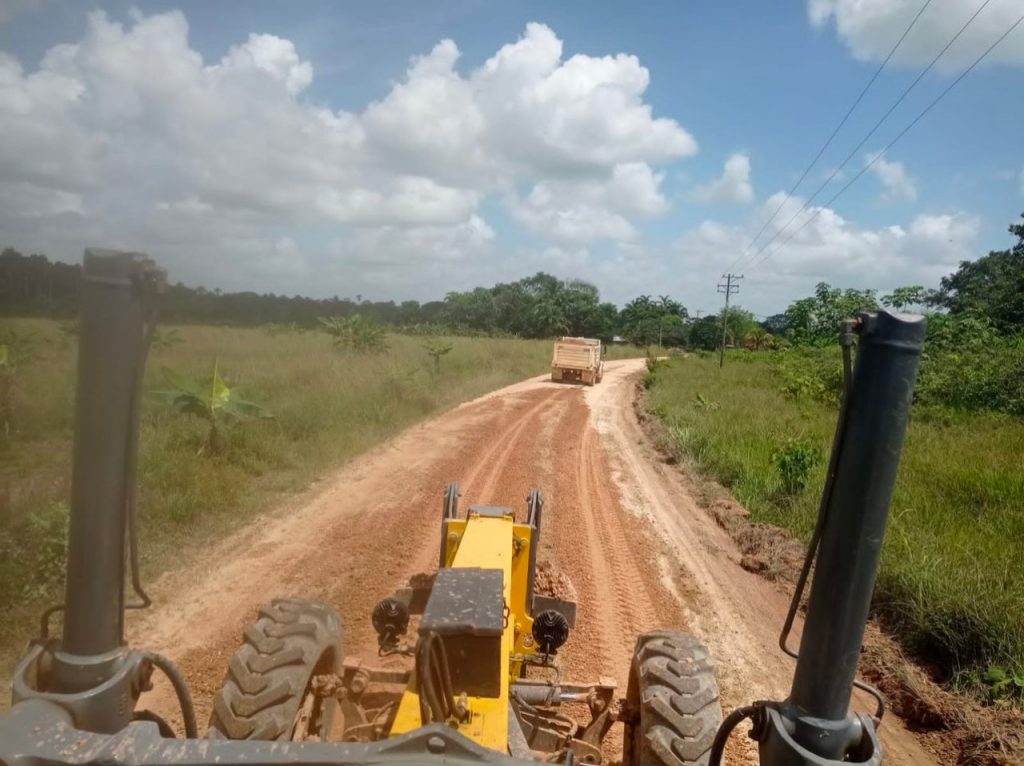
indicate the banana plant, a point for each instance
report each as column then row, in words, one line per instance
column 165, row 339
column 214, row 401
column 356, row 333
column 437, row 349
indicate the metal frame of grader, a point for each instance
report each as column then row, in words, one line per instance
column 481, row 626
column 488, row 629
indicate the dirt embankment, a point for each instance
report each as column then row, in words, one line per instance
column 620, row 525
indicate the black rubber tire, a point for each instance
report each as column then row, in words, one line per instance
column 672, row 699
column 270, row 673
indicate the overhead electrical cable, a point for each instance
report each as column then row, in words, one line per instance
column 888, row 146
column 870, row 133
column 835, row 132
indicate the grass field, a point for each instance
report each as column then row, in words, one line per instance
column 952, row 579
column 328, row 405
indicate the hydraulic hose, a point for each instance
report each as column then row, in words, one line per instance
column 437, row 701
column 148, row 715
column 188, row 710
column 725, row 731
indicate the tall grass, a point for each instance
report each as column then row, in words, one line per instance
column 951, row 584
column 328, row 405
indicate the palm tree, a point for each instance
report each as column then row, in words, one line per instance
column 758, row 339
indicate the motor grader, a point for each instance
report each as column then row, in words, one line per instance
column 467, row 669
column 483, row 662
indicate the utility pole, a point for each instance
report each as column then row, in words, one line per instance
column 729, row 287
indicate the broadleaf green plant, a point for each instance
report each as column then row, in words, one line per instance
column 214, row 402
column 795, row 460
column 165, row 339
column 437, row 349
column 356, row 333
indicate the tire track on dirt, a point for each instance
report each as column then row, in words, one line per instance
column 597, row 548
column 373, row 525
column 496, row 474
column 495, row 466
column 620, row 525
column 737, row 613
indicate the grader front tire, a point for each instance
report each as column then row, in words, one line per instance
column 269, row 677
column 673, row 702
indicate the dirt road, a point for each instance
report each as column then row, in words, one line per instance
column 619, row 523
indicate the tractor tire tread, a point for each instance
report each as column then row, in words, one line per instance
column 269, row 672
column 678, row 701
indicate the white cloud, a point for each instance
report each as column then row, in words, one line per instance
column 733, row 185
column 274, row 56
column 870, row 28
column 577, row 212
column 830, row 248
column 893, row 176
column 225, row 170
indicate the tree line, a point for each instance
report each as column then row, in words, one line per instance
column 540, row 306
column 986, row 294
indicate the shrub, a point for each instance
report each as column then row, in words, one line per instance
column 810, row 374
column 32, row 554
column 654, row 363
column 437, row 349
column 992, row 379
column 795, row 460
column 1002, row 685
column 356, row 333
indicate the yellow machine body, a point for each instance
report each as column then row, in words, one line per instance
column 487, row 542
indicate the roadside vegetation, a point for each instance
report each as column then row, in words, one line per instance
column 951, row 585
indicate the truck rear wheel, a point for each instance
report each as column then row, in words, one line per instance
column 671, row 701
column 267, row 692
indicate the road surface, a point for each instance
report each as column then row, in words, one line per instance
column 622, row 525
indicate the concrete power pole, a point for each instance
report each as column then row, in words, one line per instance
column 729, row 287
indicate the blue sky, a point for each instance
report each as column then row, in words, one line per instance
column 763, row 83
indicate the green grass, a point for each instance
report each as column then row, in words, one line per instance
column 951, row 584
column 329, row 405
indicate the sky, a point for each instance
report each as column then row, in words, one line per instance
column 401, row 150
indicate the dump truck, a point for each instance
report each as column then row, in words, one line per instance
column 468, row 672
column 578, row 360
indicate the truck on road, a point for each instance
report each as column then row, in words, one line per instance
column 578, row 359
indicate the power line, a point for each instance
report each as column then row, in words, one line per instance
column 874, row 129
column 835, row 132
column 888, row 146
